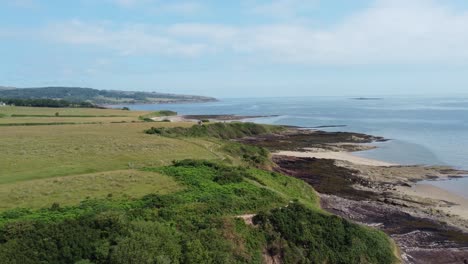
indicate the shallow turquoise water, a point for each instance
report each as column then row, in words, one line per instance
column 422, row 130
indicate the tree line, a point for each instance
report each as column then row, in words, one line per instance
column 45, row 103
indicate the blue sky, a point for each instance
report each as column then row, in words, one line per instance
column 245, row 48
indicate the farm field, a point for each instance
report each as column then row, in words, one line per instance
column 70, row 190
column 45, row 115
column 86, row 160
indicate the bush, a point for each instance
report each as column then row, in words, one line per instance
column 252, row 155
column 148, row 242
column 146, row 119
column 158, row 114
column 226, row 177
column 231, row 130
column 301, row 235
column 196, row 224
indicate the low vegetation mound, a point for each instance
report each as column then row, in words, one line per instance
column 197, row 224
column 162, row 113
column 301, row 235
column 232, row 130
column 251, row 155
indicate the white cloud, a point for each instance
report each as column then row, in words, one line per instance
column 284, row 8
column 389, row 31
column 128, row 40
column 180, row 8
column 160, row 6
column 130, row 3
column 209, row 32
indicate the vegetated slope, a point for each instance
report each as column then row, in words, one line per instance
column 231, row 130
column 196, row 218
column 197, row 224
column 79, row 94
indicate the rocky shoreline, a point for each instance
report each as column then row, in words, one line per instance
column 379, row 196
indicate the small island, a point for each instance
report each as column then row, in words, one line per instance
column 366, row 98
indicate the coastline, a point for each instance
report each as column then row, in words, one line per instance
column 443, row 200
column 336, row 155
column 429, row 224
column 447, row 202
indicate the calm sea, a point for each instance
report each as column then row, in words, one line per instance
column 430, row 131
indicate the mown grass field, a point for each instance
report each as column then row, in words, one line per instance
column 85, row 160
column 14, row 110
column 28, row 115
column 70, row 190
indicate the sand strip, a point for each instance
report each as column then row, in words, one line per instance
column 441, row 199
column 450, row 203
column 345, row 156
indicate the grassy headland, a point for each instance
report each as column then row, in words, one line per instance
column 111, row 193
column 195, row 225
column 217, row 130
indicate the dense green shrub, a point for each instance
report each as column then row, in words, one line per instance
column 231, row 130
column 57, row 242
column 147, row 243
column 231, row 176
column 301, row 235
column 197, row 224
column 161, row 113
column 252, row 155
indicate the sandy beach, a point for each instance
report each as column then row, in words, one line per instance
column 343, row 156
column 429, row 224
column 405, row 190
column 449, row 203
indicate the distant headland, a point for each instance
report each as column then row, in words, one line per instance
column 100, row 97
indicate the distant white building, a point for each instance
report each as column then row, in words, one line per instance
column 2, row 104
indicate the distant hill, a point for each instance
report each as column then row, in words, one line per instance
column 78, row 94
column 6, row 88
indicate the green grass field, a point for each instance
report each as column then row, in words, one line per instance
column 110, row 193
column 27, row 115
column 71, row 190
column 14, row 110
column 84, row 156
